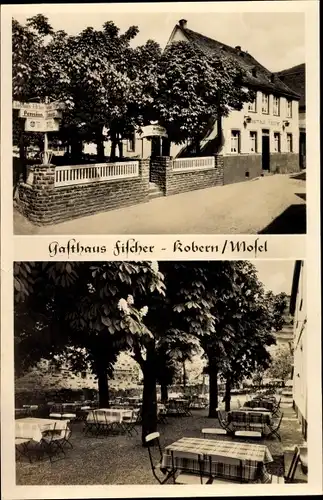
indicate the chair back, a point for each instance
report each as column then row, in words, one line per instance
column 293, row 465
column 279, row 421
column 152, row 439
column 49, row 434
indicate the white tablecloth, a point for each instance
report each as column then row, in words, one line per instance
column 110, row 414
column 33, row 428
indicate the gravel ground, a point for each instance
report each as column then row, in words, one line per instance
column 121, row 459
column 273, row 205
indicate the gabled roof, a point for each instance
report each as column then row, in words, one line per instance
column 257, row 76
column 295, row 79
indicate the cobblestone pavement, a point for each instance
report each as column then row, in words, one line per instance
column 273, row 205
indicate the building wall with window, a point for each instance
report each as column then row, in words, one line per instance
column 299, row 310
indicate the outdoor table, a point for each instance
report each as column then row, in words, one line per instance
column 111, row 414
column 33, row 428
column 249, row 420
column 263, row 403
column 230, row 460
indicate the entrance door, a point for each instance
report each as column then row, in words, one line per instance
column 265, row 150
column 302, row 150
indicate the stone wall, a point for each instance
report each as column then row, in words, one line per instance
column 284, row 163
column 172, row 182
column 238, row 168
column 43, row 203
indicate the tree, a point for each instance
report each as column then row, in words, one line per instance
column 281, row 366
column 194, row 90
column 80, row 305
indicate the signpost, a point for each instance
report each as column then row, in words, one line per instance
column 40, row 117
column 41, row 125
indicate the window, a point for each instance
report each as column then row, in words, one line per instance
column 289, row 143
column 277, row 142
column 252, row 106
column 289, row 109
column 235, row 141
column 253, row 142
column 276, row 107
column 265, row 104
column 131, row 143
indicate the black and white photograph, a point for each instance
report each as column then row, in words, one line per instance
column 177, row 372
column 160, row 243
column 158, row 123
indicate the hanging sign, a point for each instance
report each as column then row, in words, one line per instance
column 41, row 125
column 154, row 131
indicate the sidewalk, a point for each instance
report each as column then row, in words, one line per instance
column 271, row 205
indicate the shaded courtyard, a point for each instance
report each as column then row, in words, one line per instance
column 127, row 462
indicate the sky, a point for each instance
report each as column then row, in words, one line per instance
column 276, row 275
column 276, row 40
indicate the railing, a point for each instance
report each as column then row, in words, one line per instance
column 84, row 174
column 197, row 163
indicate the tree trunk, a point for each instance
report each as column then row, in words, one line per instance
column 227, row 394
column 99, row 145
column 149, row 397
column 213, row 388
column 76, row 148
column 164, row 393
column 197, row 146
column 184, row 376
column 120, row 147
column 103, row 386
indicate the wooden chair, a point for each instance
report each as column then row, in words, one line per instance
column 291, row 471
column 275, row 428
column 129, row 423
column 22, row 449
column 152, row 439
column 223, row 422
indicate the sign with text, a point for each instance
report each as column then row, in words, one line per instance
column 29, row 105
column 272, row 123
column 153, row 131
column 27, row 113
column 55, row 113
column 38, row 106
column 41, row 125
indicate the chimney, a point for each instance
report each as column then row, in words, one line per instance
column 238, row 48
column 182, row 23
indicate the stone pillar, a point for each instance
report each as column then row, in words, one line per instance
column 219, row 167
column 159, row 171
column 35, row 195
column 144, row 166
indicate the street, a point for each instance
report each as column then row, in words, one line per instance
column 270, row 205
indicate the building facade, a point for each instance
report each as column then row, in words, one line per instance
column 295, row 79
column 263, row 137
column 299, row 311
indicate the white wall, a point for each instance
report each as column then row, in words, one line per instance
column 260, row 121
column 300, row 346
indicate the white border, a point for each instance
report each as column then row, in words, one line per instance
column 35, row 248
